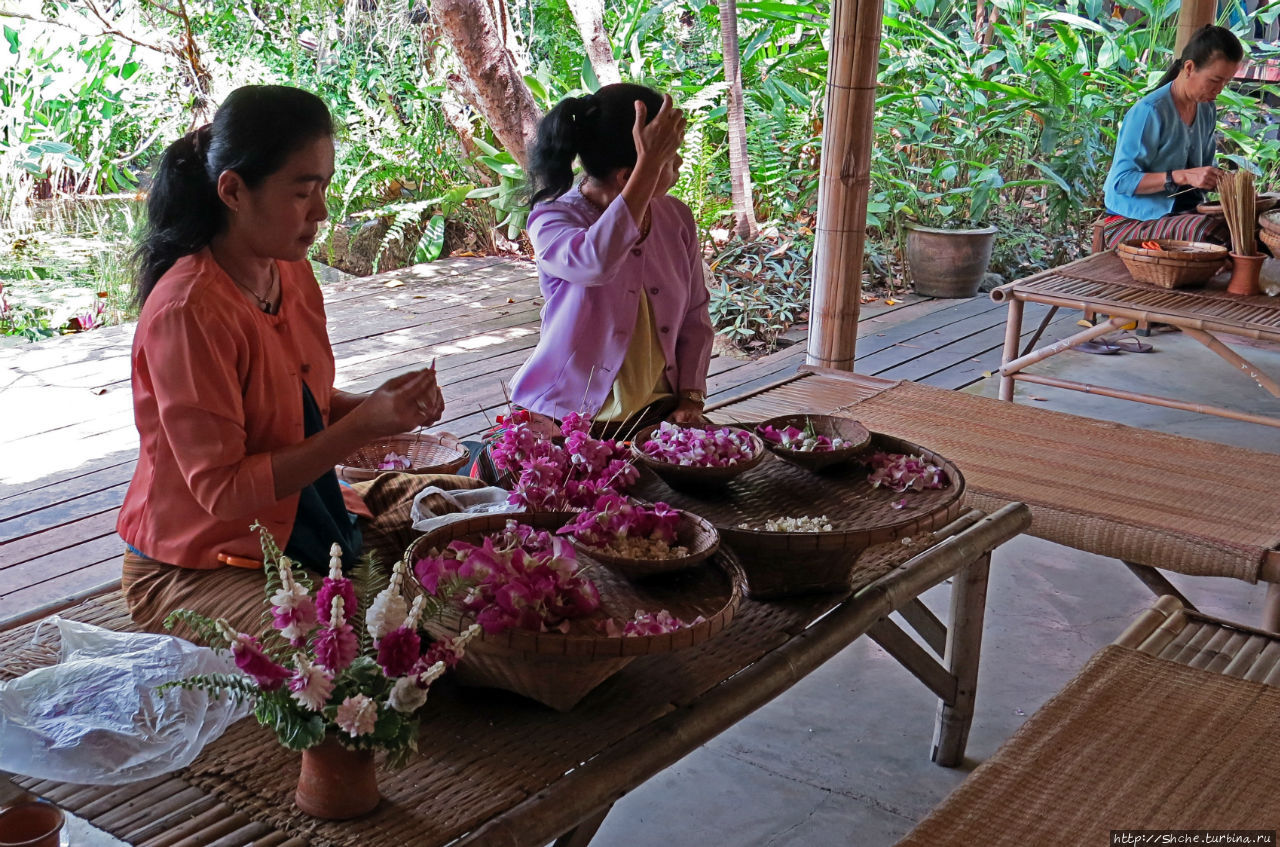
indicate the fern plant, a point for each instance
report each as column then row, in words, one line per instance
column 348, row 661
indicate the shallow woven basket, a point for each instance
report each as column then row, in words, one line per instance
column 686, row 476
column 694, row 533
column 1270, row 222
column 1262, row 203
column 1271, row 239
column 1179, row 264
column 427, row 453
column 559, row 669
column 855, row 435
column 779, row 564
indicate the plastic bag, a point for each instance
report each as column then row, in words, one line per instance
column 96, row 717
column 467, row 502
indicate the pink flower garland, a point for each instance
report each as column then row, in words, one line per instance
column 555, row 478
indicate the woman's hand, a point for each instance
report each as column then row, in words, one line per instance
column 658, row 141
column 1205, row 178
column 687, row 412
column 402, row 403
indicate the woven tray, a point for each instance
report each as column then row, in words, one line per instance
column 694, row 533
column 857, row 436
column 779, row 564
column 682, row 476
column 426, row 452
column 1179, row 264
column 559, row 669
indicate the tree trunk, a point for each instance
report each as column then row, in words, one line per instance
column 589, row 15
column 744, row 214
column 501, row 93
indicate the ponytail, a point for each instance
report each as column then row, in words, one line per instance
column 1207, row 44
column 183, row 210
column 595, row 129
column 254, row 132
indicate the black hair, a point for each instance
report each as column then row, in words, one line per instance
column 1208, row 43
column 596, row 129
column 254, row 132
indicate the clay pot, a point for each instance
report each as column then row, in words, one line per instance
column 948, row 262
column 1245, row 271
column 337, row 783
column 31, row 824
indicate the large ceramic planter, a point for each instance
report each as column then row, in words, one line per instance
column 948, row 262
column 337, row 783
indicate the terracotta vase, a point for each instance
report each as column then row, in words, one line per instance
column 1245, row 272
column 31, row 824
column 337, row 783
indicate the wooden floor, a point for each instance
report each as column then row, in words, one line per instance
column 68, row 444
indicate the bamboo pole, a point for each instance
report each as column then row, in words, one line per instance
column 1193, row 15
column 1010, row 368
column 1236, row 360
column 843, row 180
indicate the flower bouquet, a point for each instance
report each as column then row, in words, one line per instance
column 343, row 667
column 553, row 628
column 697, row 455
column 638, row 540
column 814, row 441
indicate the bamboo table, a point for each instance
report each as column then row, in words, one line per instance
column 1100, row 285
column 1150, row 499
column 499, row 771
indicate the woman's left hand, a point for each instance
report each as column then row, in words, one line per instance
column 688, row 412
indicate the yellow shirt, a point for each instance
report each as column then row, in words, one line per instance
column 642, row 379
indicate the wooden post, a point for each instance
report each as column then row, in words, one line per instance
column 1193, row 15
column 844, row 178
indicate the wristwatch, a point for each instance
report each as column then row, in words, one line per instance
column 694, row 396
column 1169, row 185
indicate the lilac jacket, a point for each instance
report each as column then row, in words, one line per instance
column 591, row 271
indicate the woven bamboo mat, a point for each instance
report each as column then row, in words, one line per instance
column 1133, row 742
column 804, row 393
column 1173, row 502
column 482, row 751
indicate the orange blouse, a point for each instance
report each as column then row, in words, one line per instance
column 217, row 386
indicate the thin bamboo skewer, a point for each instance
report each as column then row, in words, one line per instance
column 1240, row 207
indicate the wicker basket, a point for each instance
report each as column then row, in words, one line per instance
column 426, row 453
column 855, row 435
column 1177, row 265
column 695, row 534
column 1262, row 203
column 687, row 476
column 1270, row 222
column 779, row 564
column 559, row 669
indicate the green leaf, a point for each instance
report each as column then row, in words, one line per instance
column 432, row 241
column 11, row 36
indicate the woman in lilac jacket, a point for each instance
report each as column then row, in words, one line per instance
column 626, row 335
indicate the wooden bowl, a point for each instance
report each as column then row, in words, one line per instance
column 427, row 453
column 693, row 475
column 855, row 435
column 695, row 534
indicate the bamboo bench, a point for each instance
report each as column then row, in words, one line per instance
column 1174, row 726
column 1150, row 499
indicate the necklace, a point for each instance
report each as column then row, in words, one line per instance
column 646, row 223
column 264, row 300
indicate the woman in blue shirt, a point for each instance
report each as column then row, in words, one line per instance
column 1165, row 151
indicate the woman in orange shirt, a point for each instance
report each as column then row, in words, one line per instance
column 233, row 373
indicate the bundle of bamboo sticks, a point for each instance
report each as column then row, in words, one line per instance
column 1239, row 205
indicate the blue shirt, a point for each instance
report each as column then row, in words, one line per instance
column 1153, row 139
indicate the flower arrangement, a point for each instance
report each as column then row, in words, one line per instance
column 322, row 667
column 805, row 440
column 698, row 446
column 626, row 528
column 901, row 472
column 557, row 478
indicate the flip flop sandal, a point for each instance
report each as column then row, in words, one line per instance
column 1133, row 345
column 1098, row 348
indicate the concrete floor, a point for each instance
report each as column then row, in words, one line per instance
column 843, row 757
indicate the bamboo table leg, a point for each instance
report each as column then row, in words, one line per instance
column 964, row 646
column 1012, row 333
column 581, row 835
column 1271, row 608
